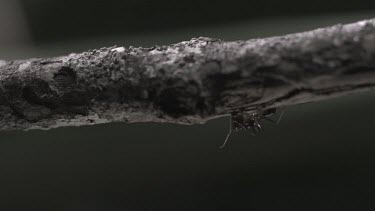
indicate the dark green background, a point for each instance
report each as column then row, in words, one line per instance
column 321, row 156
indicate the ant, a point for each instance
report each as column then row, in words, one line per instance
column 250, row 122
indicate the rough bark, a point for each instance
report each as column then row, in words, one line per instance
column 188, row 82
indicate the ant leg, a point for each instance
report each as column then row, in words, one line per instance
column 243, row 128
column 253, row 130
column 276, row 122
column 280, row 117
column 229, row 133
column 268, row 119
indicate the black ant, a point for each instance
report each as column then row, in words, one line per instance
column 250, row 121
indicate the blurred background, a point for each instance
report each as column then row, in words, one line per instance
column 321, row 156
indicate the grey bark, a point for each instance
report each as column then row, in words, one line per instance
column 188, row 82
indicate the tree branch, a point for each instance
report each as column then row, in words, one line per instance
column 188, row 82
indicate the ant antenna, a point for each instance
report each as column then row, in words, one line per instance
column 229, row 133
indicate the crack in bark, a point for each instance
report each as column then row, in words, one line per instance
column 319, row 92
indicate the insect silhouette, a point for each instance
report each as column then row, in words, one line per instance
column 250, row 122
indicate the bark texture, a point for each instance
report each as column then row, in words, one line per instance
column 188, row 82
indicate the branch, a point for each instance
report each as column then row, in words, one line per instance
column 188, row 82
